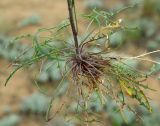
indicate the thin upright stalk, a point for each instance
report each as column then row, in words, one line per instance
column 73, row 23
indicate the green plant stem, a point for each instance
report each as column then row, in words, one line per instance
column 72, row 22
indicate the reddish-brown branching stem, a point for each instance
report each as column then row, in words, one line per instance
column 73, row 25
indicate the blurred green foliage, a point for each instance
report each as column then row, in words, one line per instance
column 11, row 50
column 37, row 103
column 91, row 4
column 51, row 71
column 116, row 40
column 10, row 120
column 31, row 20
column 154, row 69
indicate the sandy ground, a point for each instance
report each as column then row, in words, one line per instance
column 51, row 12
